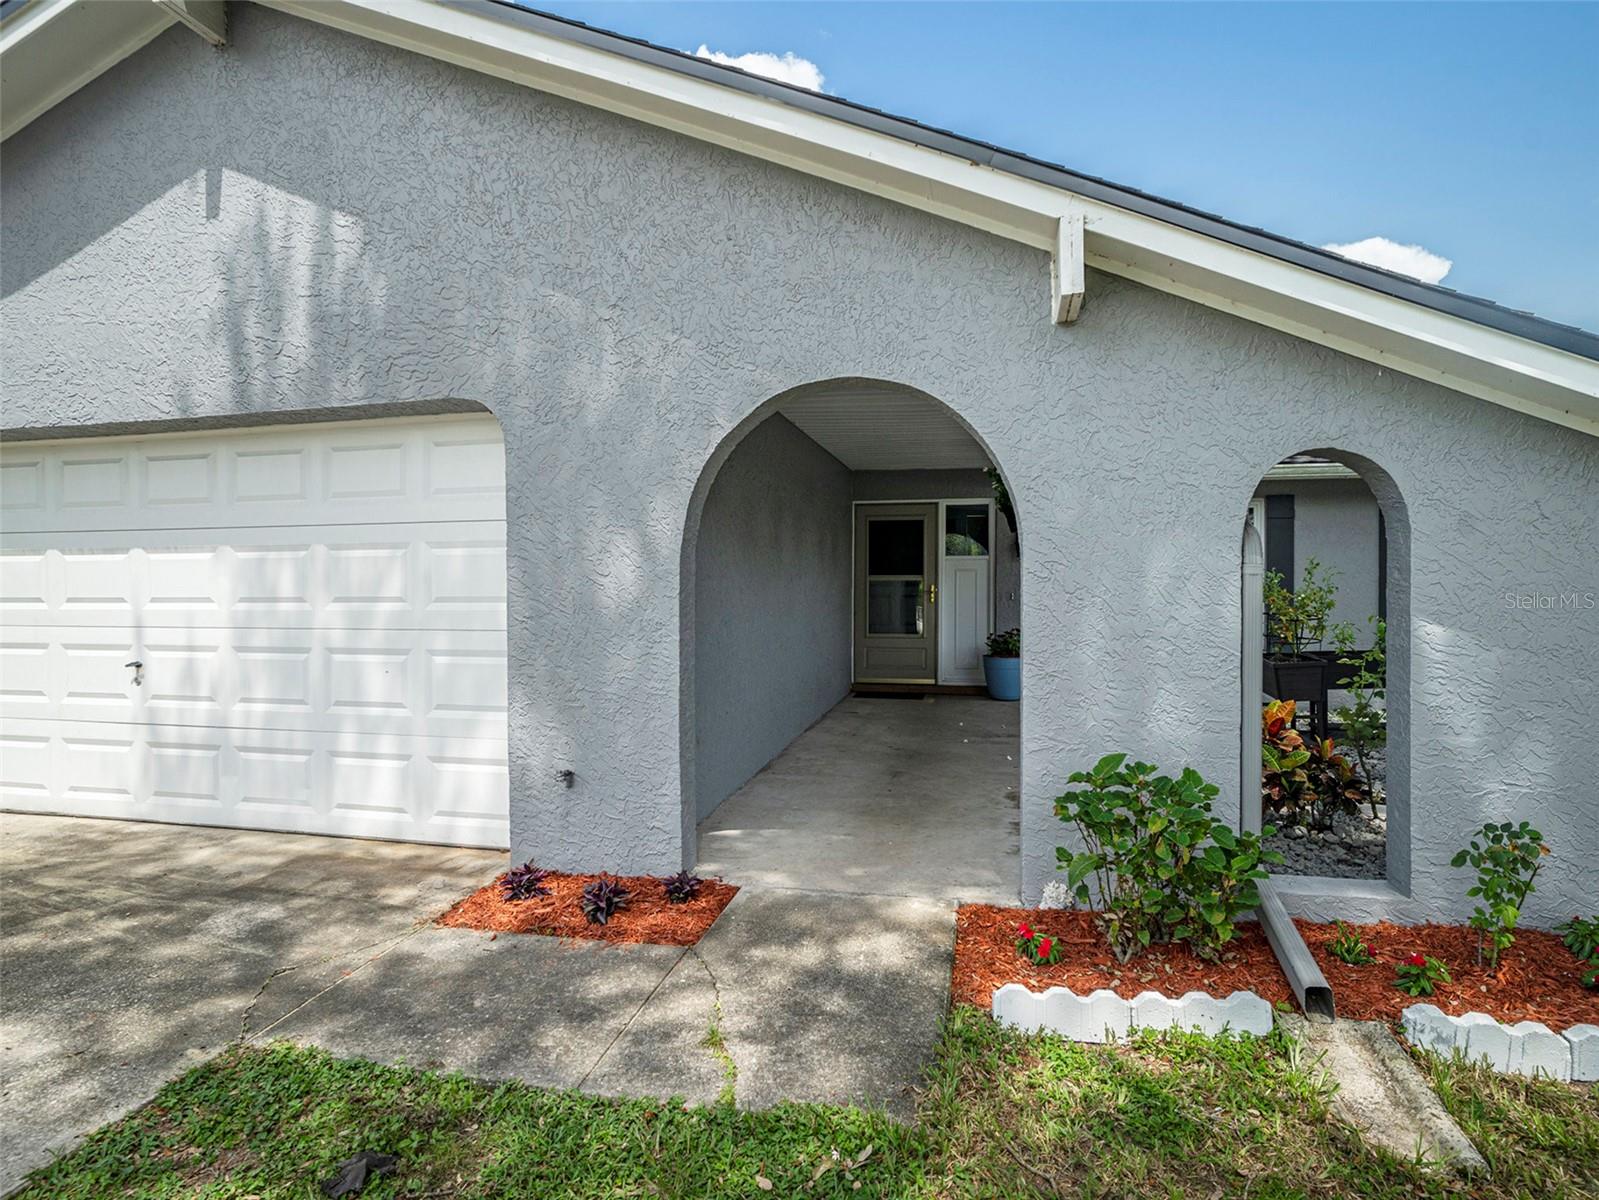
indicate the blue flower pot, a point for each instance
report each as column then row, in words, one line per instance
column 1003, row 676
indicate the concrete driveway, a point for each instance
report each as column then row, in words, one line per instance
column 130, row 952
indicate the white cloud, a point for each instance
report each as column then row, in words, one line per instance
column 1414, row 261
column 786, row 68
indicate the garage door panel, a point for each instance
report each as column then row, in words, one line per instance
column 408, row 789
column 26, row 769
column 25, row 675
column 382, row 472
column 320, row 615
column 22, row 480
column 409, row 683
column 432, row 576
column 90, row 670
column 184, row 677
column 24, row 583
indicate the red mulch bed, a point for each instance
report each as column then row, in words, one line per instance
column 986, row 958
column 1538, row 978
column 648, row 917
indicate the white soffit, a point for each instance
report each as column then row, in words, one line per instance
column 882, row 430
column 1317, row 470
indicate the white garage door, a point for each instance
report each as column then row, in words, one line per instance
column 320, row 615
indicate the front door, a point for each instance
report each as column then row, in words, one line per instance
column 896, row 593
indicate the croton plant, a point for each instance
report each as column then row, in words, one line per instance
column 1307, row 780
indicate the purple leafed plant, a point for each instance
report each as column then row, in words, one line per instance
column 682, row 887
column 524, row 882
column 602, row 898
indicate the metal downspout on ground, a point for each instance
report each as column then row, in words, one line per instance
column 1310, row 986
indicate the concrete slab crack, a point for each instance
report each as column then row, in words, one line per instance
column 628, row 1024
column 714, row 1040
column 387, row 944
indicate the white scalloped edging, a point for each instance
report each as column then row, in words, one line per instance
column 1525, row 1048
column 1103, row 1016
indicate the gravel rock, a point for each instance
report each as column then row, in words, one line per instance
column 1356, row 847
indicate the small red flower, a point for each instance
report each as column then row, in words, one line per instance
column 1417, row 960
column 1024, row 931
column 1044, row 948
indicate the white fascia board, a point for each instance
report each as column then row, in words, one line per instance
column 51, row 48
column 1460, row 354
column 208, row 18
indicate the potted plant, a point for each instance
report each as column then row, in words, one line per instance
column 1296, row 624
column 1002, row 665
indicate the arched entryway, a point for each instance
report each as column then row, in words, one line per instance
column 1325, row 584
column 845, row 558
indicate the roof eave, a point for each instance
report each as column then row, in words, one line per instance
column 801, row 131
column 1498, row 355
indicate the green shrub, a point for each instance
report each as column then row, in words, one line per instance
column 1163, row 868
column 1296, row 618
column 1007, row 644
column 1581, row 937
column 1506, row 858
column 1348, row 947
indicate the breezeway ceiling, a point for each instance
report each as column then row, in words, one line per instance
column 884, row 430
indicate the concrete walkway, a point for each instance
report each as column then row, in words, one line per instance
column 131, row 952
column 906, row 797
column 816, row 997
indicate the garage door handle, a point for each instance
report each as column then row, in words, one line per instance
column 138, row 671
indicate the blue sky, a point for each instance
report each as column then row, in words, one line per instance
column 1470, row 130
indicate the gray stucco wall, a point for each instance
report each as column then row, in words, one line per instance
column 1336, row 523
column 963, row 485
column 772, row 588
column 308, row 221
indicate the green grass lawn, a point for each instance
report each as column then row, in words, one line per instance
column 1003, row 1115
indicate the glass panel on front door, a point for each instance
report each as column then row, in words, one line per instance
column 966, row 530
column 896, row 571
column 894, row 547
column 893, row 606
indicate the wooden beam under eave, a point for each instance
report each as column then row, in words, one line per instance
column 208, row 18
column 1066, row 272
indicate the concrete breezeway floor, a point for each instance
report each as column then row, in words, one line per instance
column 130, row 952
column 882, row 796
